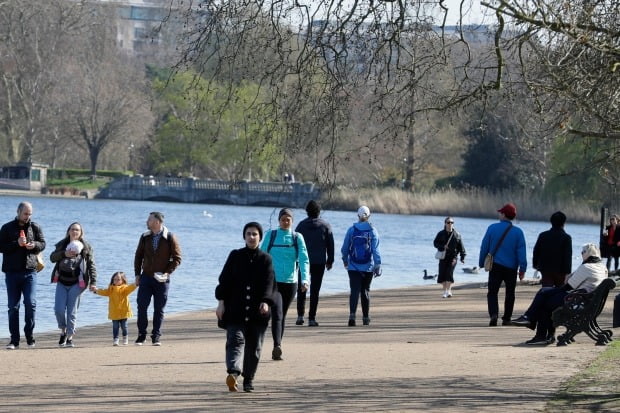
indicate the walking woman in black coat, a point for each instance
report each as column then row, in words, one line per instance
column 449, row 240
column 245, row 293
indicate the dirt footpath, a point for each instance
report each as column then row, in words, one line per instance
column 421, row 352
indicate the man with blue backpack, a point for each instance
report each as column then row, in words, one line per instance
column 361, row 258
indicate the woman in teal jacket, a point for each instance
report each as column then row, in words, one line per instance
column 289, row 254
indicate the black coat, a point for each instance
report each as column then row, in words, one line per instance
column 319, row 240
column 247, row 280
column 16, row 258
column 553, row 252
column 455, row 246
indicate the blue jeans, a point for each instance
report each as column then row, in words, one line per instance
column 359, row 283
column 244, row 343
column 66, row 304
column 18, row 284
column 150, row 287
column 116, row 324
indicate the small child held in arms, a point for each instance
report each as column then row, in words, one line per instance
column 119, row 309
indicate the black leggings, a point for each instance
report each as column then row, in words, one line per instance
column 283, row 299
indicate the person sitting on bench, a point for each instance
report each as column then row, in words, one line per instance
column 587, row 277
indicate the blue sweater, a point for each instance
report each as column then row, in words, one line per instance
column 511, row 253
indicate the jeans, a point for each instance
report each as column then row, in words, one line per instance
column 66, row 304
column 150, row 287
column 283, row 299
column 18, row 284
column 244, row 343
column 316, row 279
column 498, row 274
column 359, row 283
column 115, row 326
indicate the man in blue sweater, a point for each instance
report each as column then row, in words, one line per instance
column 506, row 243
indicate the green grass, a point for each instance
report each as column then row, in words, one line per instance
column 80, row 183
column 595, row 388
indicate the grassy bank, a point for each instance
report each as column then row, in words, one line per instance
column 475, row 203
column 594, row 389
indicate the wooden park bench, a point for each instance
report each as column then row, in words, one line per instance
column 579, row 313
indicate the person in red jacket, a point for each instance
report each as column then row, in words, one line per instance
column 611, row 244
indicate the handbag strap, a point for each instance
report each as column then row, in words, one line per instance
column 447, row 242
column 501, row 239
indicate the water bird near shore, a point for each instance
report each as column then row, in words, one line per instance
column 428, row 277
column 471, row 270
column 206, row 214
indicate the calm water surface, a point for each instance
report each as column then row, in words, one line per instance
column 207, row 233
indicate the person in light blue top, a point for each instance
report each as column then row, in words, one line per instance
column 508, row 260
column 362, row 260
column 289, row 254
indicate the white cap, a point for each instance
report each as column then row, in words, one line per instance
column 363, row 212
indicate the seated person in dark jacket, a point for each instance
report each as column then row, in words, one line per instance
column 538, row 316
column 244, row 293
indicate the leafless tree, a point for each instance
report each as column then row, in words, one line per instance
column 559, row 58
column 103, row 94
column 572, row 50
column 318, row 58
column 33, row 41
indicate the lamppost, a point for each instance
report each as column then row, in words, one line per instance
column 130, row 160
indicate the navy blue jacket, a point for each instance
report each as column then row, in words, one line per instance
column 319, row 240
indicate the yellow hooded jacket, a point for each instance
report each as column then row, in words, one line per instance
column 118, row 307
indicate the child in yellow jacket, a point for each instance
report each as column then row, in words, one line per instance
column 119, row 309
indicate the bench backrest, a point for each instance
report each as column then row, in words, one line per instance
column 601, row 292
column 593, row 302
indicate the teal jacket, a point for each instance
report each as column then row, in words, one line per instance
column 286, row 260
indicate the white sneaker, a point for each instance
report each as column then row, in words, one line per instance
column 115, row 343
column 445, row 294
column 125, row 340
column 11, row 346
column 449, row 293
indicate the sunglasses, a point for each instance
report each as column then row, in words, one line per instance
column 449, row 222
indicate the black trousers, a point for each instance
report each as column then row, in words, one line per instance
column 498, row 274
column 316, row 279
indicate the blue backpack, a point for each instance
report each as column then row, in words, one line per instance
column 360, row 250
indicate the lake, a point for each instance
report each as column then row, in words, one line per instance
column 207, row 233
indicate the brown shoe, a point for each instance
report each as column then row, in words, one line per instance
column 231, row 382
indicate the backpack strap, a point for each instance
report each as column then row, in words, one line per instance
column 272, row 238
column 296, row 245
